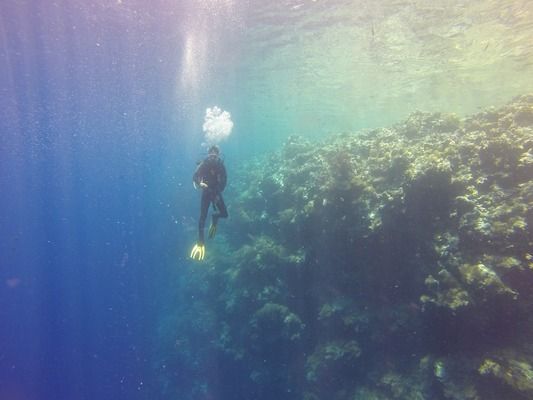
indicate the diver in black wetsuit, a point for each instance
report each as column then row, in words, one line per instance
column 211, row 177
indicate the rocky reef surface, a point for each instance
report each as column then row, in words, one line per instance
column 394, row 263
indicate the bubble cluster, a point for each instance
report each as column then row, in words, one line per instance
column 217, row 125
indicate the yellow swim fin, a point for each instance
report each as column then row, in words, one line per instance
column 212, row 231
column 198, row 252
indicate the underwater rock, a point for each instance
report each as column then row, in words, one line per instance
column 343, row 315
column 485, row 279
column 399, row 386
column 277, row 323
column 329, row 359
column 446, row 291
column 419, row 124
column 524, row 116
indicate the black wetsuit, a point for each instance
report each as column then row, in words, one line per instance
column 212, row 172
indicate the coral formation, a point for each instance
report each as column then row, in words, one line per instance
column 517, row 373
column 393, row 263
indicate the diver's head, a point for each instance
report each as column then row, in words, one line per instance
column 213, row 150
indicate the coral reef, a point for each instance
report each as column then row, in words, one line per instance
column 393, row 263
column 514, row 370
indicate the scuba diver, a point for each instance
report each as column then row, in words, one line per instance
column 210, row 176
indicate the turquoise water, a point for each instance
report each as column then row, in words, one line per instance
column 323, row 67
column 103, row 105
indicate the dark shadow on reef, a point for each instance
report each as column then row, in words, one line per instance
column 388, row 264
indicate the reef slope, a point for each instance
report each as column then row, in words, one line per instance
column 394, row 263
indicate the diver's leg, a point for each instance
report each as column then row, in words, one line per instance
column 204, row 207
column 220, row 212
column 220, row 207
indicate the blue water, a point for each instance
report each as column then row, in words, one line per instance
column 100, row 131
column 93, row 170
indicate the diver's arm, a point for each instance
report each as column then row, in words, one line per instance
column 197, row 178
column 222, row 178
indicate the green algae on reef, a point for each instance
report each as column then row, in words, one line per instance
column 394, row 263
